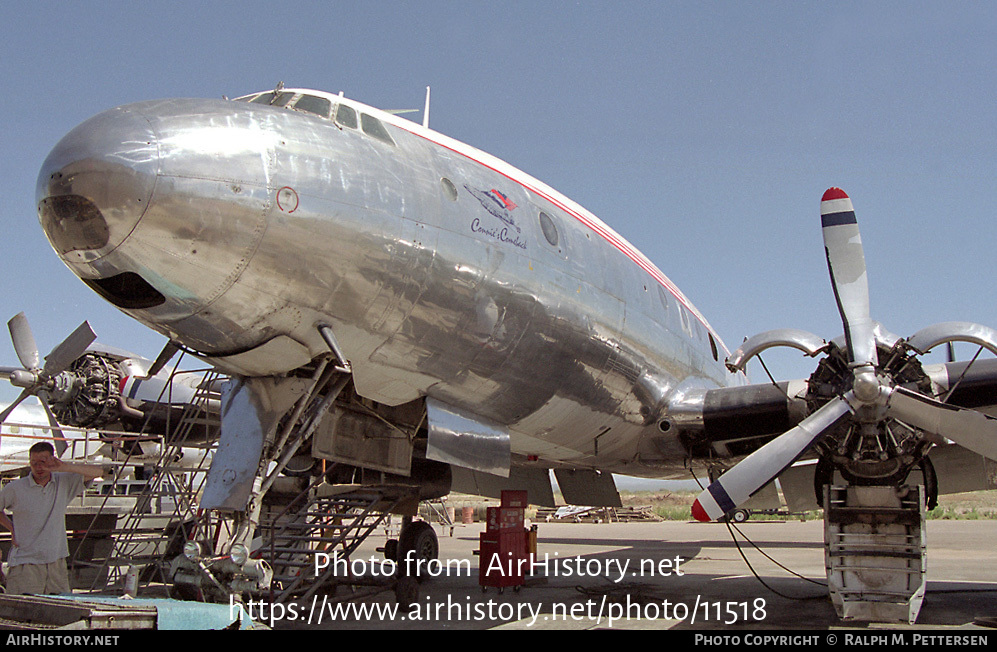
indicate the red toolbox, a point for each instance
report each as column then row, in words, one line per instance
column 504, row 559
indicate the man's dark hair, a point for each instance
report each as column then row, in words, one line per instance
column 42, row 447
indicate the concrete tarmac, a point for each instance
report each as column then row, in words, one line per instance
column 670, row 575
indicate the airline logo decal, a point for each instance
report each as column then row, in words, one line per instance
column 499, row 206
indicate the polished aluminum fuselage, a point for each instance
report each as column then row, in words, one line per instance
column 258, row 223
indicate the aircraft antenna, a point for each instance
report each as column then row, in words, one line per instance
column 425, row 112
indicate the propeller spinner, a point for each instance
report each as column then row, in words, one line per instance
column 877, row 416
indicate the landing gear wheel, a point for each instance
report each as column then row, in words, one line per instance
column 418, row 550
column 739, row 515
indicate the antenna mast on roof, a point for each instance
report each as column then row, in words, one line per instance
column 425, row 112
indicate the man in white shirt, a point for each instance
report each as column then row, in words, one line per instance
column 38, row 501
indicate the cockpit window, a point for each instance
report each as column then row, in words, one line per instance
column 343, row 114
column 282, row 99
column 317, row 105
column 373, row 127
column 273, row 99
column 346, row 116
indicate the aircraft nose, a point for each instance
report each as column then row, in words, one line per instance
column 97, row 183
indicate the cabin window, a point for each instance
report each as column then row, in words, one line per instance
column 373, row 127
column 449, row 189
column 686, row 326
column 317, row 105
column 346, row 116
column 549, row 228
column 663, row 297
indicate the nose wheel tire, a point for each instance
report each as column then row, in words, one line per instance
column 418, row 550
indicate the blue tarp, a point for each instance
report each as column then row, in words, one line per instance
column 177, row 614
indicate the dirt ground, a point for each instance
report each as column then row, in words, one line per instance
column 676, row 505
column 972, row 505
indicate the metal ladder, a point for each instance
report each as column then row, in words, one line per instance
column 323, row 519
column 154, row 530
column 875, row 551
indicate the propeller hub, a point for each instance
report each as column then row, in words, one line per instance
column 23, row 378
column 866, row 385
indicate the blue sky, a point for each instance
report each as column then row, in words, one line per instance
column 705, row 133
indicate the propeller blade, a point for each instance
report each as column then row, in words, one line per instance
column 24, row 342
column 761, row 467
column 71, row 348
column 162, row 359
column 846, row 263
column 970, row 429
column 17, row 401
column 60, row 438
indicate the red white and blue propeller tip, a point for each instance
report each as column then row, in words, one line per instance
column 836, row 208
column 699, row 513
